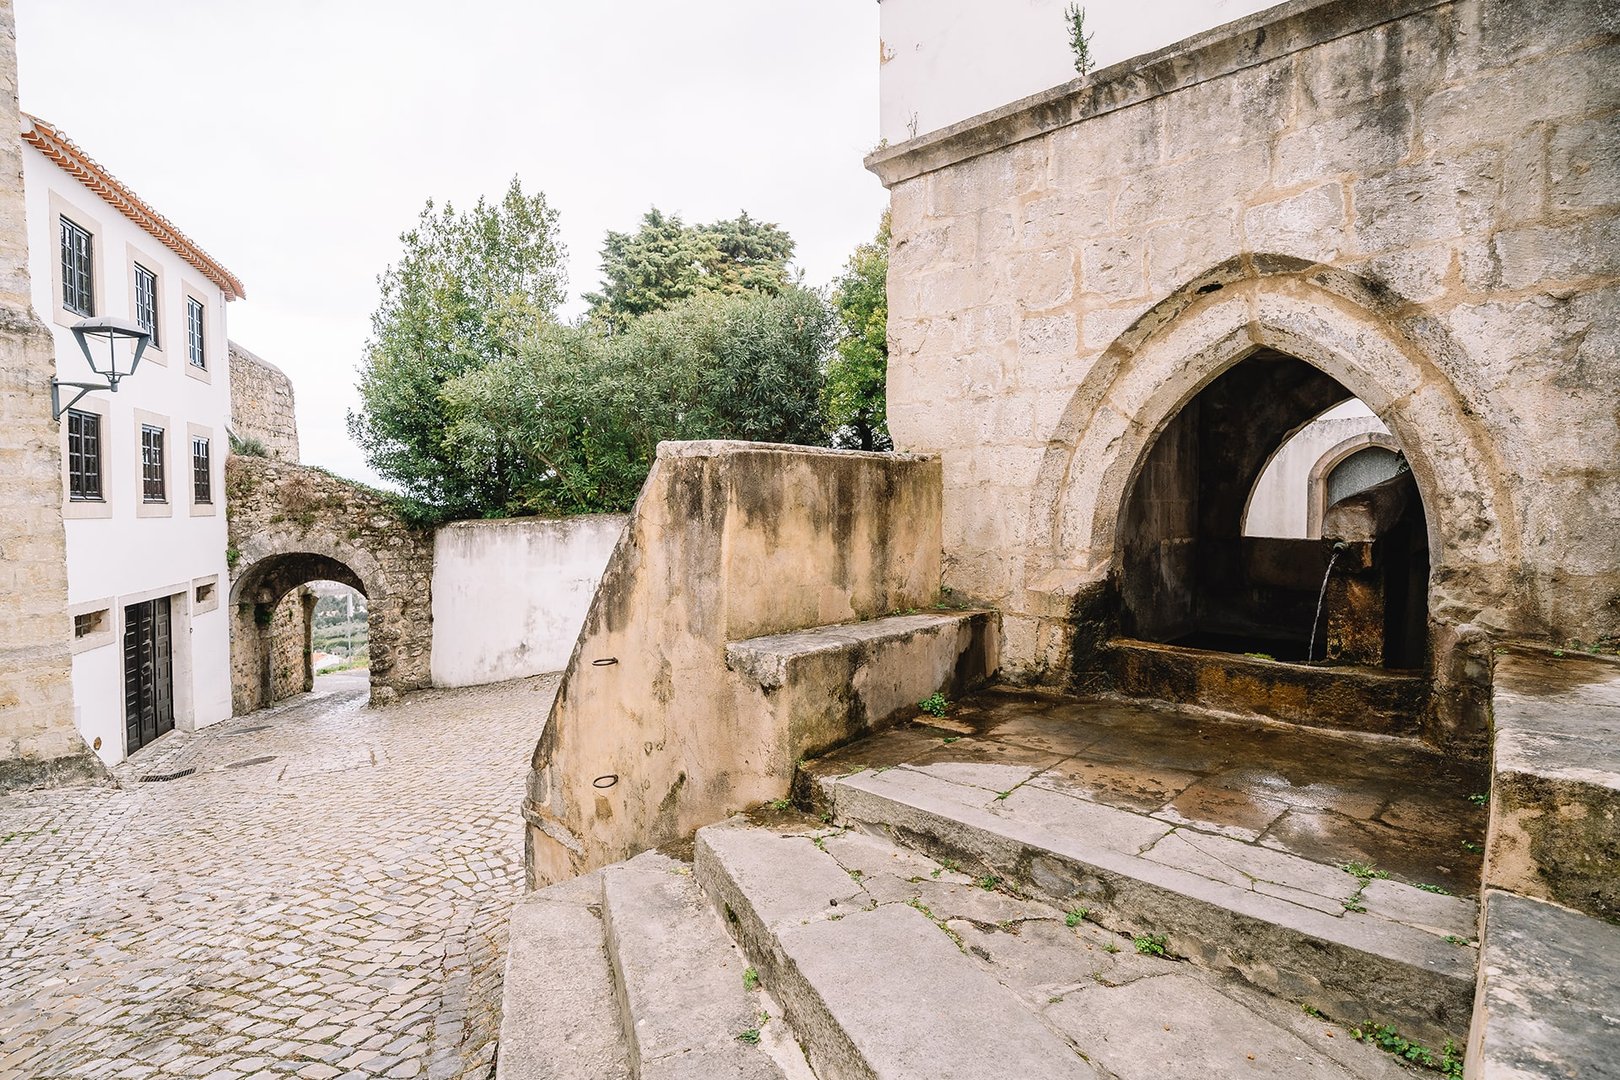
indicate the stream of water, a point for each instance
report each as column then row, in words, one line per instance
column 1321, row 597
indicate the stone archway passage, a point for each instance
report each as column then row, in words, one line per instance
column 291, row 525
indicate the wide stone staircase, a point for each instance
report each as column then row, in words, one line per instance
column 861, row 941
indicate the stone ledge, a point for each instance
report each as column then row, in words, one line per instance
column 1555, row 786
column 1244, row 43
column 830, row 684
column 1548, row 981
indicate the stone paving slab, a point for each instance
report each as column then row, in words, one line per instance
column 338, row 911
column 873, row 988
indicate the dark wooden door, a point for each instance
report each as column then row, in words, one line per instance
column 148, row 673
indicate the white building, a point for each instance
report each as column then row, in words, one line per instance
column 946, row 60
column 143, row 490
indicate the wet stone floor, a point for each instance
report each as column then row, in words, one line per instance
column 1225, row 798
column 324, row 897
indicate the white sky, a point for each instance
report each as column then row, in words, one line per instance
column 295, row 139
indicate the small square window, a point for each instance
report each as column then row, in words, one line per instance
column 196, row 354
column 91, row 622
column 84, row 456
column 202, row 476
column 146, row 302
column 154, row 488
column 205, row 592
column 78, row 269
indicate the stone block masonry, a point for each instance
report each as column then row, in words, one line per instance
column 262, row 405
column 290, row 525
column 38, row 740
column 1419, row 198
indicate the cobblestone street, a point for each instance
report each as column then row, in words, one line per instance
column 325, row 896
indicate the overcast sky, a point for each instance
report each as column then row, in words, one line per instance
column 295, row 139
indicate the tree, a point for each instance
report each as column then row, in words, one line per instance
column 666, row 261
column 853, row 398
column 467, row 291
column 584, row 410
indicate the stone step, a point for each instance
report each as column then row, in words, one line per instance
column 889, row 964
column 559, row 1020
column 1312, row 934
column 689, row 1011
column 1548, row 981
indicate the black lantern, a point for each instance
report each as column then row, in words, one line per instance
column 101, row 339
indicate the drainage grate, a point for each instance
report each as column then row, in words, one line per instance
column 247, row 730
column 158, row 778
column 251, row 761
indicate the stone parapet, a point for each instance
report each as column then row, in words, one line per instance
column 651, row 735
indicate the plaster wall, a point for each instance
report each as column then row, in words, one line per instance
column 652, row 734
column 509, row 597
column 946, row 60
column 121, row 549
column 1419, row 198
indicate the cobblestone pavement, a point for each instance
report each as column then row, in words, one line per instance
column 324, row 897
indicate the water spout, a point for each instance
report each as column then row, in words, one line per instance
column 1338, row 549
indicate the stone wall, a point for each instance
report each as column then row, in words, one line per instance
column 290, row 525
column 1419, row 198
column 262, row 404
column 38, row 740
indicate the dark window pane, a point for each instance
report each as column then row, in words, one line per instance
column 84, row 455
column 194, row 333
column 153, row 489
column 201, row 474
column 77, row 294
column 146, row 301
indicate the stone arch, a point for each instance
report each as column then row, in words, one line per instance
column 1317, row 480
column 291, row 525
column 1383, row 350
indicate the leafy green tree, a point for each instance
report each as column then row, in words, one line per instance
column 853, row 398
column 584, row 411
column 666, row 261
column 469, row 289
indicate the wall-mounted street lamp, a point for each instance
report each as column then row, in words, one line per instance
column 91, row 334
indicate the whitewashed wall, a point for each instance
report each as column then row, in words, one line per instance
column 121, row 550
column 509, row 597
column 946, row 60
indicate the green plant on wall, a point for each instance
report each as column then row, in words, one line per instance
column 1079, row 40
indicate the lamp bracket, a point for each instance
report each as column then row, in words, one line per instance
column 57, row 408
